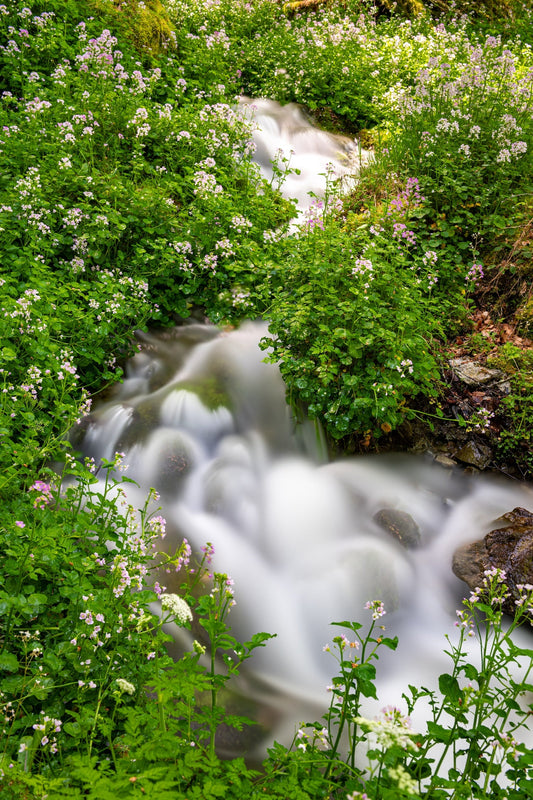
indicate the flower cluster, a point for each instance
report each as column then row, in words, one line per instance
column 391, row 729
column 178, row 607
column 317, row 738
column 377, row 608
column 125, row 686
column 46, row 494
column 48, row 727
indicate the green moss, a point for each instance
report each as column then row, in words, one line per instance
column 513, row 360
column 208, row 391
column 524, row 317
column 516, row 437
column 146, row 24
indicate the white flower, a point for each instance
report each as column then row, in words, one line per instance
column 403, row 780
column 388, row 732
column 177, row 606
column 125, row 686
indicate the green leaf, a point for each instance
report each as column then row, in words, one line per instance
column 441, row 734
column 470, row 671
column 9, row 662
column 72, row 728
column 449, row 687
column 25, row 754
column 8, row 353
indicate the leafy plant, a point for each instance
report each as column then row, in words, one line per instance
column 86, row 681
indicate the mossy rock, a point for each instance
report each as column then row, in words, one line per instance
column 145, row 24
column 512, row 359
column 410, row 8
column 209, row 391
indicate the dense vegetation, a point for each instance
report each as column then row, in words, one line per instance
column 128, row 199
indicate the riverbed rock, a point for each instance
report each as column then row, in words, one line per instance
column 509, row 548
column 400, row 525
column 475, row 454
column 445, row 461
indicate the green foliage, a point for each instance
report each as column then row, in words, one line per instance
column 145, row 24
column 468, row 749
column 87, row 690
column 465, row 130
column 515, row 439
column 350, row 324
column 473, row 721
column 127, row 199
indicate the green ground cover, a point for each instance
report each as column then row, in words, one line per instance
column 127, row 200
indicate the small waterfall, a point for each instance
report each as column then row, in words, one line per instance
column 284, row 137
column 203, row 419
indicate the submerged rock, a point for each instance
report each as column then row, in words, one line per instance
column 400, row 525
column 509, row 548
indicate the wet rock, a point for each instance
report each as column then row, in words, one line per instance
column 475, row 454
column 473, row 373
column 400, row 525
column 509, row 548
column 469, row 563
column 445, row 461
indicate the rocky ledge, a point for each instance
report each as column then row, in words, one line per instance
column 509, row 548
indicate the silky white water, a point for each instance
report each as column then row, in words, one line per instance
column 201, row 418
column 300, row 160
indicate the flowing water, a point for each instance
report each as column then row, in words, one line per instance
column 203, row 419
column 309, row 159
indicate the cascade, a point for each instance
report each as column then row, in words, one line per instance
column 309, row 159
column 203, row 419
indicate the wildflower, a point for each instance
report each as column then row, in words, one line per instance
column 207, row 549
column 389, row 731
column 403, row 780
column 177, row 606
column 394, row 714
column 20, row 524
column 321, row 738
column 157, row 525
column 45, row 496
column 125, row 686
column 377, row 608
column 465, row 621
column 503, row 156
column 363, row 266
column 475, row 272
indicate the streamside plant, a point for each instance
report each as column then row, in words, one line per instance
column 89, row 695
column 476, row 742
